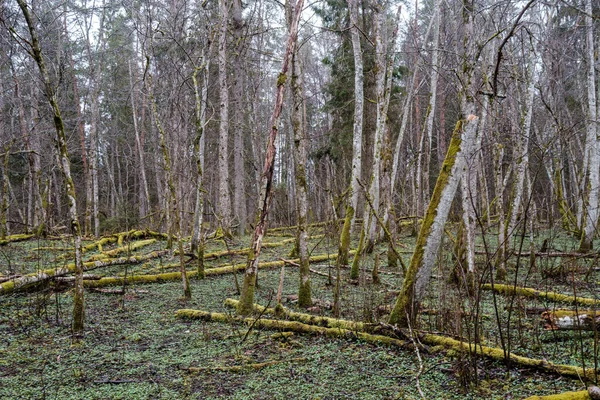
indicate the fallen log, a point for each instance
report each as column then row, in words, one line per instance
column 123, row 249
column 550, row 254
column 306, row 318
column 585, row 320
column 47, row 274
column 430, row 339
column 592, row 393
column 15, row 238
column 291, row 326
column 530, row 292
column 171, row 276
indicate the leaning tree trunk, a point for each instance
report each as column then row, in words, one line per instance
column 431, row 232
column 592, row 144
column 247, row 296
column 61, row 147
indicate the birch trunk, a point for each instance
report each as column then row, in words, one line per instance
column 592, row 145
column 61, row 147
column 144, row 206
column 300, row 159
column 265, row 195
column 357, row 135
column 197, row 242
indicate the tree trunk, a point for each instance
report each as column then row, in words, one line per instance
column 358, row 107
column 61, row 145
column 432, row 228
column 197, row 242
column 592, row 145
column 224, row 200
column 265, row 195
column 300, row 159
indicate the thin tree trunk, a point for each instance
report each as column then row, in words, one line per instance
column 592, row 145
column 521, row 160
column 197, row 242
column 265, row 195
column 300, row 160
column 144, row 206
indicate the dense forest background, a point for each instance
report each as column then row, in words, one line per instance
column 111, row 64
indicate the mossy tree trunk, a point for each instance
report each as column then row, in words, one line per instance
column 266, row 181
column 300, row 159
column 432, row 229
column 65, row 165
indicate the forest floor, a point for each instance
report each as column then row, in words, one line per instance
column 135, row 348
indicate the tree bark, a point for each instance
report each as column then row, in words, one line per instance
column 61, row 147
column 358, row 107
column 592, row 143
column 224, row 200
column 265, row 195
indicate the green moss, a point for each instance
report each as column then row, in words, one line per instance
column 247, row 295
column 581, row 395
column 355, row 270
column 281, row 79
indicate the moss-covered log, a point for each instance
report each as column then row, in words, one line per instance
column 587, row 320
column 306, row 318
column 580, row 395
column 15, row 238
column 530, row 292
column 123, row 249
column 171, row 276
column 433, row 340
column 47, row 274
column 498, row 354
column 291, row 326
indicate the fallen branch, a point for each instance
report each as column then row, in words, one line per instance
column 530, row 292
